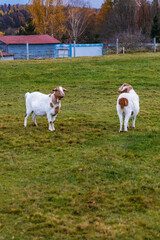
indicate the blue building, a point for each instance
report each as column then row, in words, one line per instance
column 43, row 46
column 28, row 46
column 78, row 50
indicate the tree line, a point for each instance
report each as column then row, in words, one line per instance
column 12, row 17
column 74, row 20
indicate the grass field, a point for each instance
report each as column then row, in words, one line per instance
column 85, row 180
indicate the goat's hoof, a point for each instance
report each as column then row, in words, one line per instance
column 120, row 131
column 53, row 129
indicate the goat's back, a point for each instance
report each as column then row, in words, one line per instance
column 38, row 102
column 128, row 101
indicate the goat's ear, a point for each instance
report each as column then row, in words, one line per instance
column 55, row 89
column 123, row 88
column 65, row 90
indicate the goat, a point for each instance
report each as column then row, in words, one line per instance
column 127, row 105
column 39, row 104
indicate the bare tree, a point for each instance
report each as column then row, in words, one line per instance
column 77, row 19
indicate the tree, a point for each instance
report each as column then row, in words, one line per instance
column 144, row 17
column 48, row 16
column 77, row 20
column 28, row 29
column 105, row 9
column 155, row 30
column 124, row 15
column 12, row 17
column 37, row 10
column 155, row 7
column 57, row 21
column 91, row 34
column 105, row 20
column 116, row 17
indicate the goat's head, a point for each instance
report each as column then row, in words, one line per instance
column 125, row 88
column 59, row 92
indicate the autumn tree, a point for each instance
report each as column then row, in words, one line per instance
column 104, row 20
column 48, row 16
column 58, row 21
column 144, row 16
column 105, row 9
column 92, row 32
column 37, row 9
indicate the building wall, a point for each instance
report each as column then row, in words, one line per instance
column 36, row 51
column 6, row 58
column 87, row 50
column 81, row 50
column 62, row 50
column 3, row 47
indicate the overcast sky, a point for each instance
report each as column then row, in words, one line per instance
column 93, row 3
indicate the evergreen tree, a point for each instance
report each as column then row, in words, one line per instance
column 28, row 29
column 155, row 30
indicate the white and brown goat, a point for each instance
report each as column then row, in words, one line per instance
column 127, row 105
column 39, row 104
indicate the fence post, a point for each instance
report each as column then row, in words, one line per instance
column 74, row 48
column 123, row 50
column 154, row 44
column 1, row 53
column 27, row 47
column 107, row 50
column 117, row 46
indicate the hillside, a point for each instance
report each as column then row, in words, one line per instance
column 12, row 17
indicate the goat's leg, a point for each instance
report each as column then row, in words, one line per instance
column 50, row 121
column 34, row 119
column 26, row 117
column 53, row 120
column 51, row 126
column 127, row 116
column 133, row 121
column 121, row 121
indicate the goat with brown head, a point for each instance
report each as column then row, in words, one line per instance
column 41, row 104
column 127, row 105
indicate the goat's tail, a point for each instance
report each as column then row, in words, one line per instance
column 123, row 102
column 26, row 95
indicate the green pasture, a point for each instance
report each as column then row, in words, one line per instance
column 85, row 180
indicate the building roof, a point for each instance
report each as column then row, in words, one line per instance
column 31, row 39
